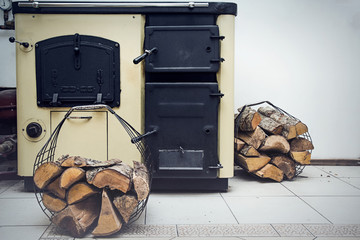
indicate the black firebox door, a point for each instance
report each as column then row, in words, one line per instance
column 185, row 116
column 77, row 69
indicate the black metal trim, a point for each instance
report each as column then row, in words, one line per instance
column 216, row 8
column 186, row 184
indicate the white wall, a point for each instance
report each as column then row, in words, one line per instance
column 302, row 55
column 7, row 59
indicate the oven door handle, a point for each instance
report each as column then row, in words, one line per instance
column 144, row 55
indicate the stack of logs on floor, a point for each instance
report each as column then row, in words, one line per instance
column 269, row 144
column 86, row 194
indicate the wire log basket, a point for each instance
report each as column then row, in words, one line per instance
column 298, row 167
column 47, row 154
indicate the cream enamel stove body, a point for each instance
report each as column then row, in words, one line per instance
column 166, row 68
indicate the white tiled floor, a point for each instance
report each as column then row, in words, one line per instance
column 273, row 210
column 338, row 210
column 324, row 186
column 179, row 209
column 322, row 203
column 244, row 186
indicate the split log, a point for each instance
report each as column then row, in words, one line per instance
column 80, row 191
column 301, row 128
column 249, row 151
column 108, row 222
column 291, row 127
column 45, row 173
column 238, row 144
column 285, row 164
column 77, row 161
column 249, row 119
column 126, row 205
column 115, row 177
column 270, row 126
column 251, row 164
column 70, row 200
column 78, row 218
column 72, row 161
column 71, row 176
column 90, row 174
column 267, row 111
column 253, row 138
column 303, row 157
column 52, row 203
column 300, row 144
column 289, row 131
column 54, row 188
column 271, row 172
column 141, row 180
column 275, row 143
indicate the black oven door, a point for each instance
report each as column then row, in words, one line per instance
column 185, row 116
column 76, row 70
column 183, row 48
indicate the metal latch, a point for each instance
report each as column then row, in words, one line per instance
column 218, row 166
column 144, row 55
column 218, row 94
column 217, row 60
column 77, row 63
column 218, row 37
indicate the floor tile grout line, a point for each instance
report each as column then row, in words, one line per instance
column 347, row 182
column 17, row 197
column 309, row 231
column 308, row 204
column 177, row 230
column 145, row 215
column 338, row 177
column 275, row 229
column 45, row 231
column 24, row 225
column 229, row 207
column 7, row 188
column 319, row 196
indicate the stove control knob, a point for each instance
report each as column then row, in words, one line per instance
column 34, row 130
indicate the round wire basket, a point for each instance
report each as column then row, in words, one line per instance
column 47, row 154
column 298, row 167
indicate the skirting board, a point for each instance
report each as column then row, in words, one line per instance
column 335, row 162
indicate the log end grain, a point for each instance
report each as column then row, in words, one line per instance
column 126, row 205
column 252, row 164
column 45, row 173
column 70, row 176
column 275, row 143
column 108, row 222
column 304, row 157
column 80, row 191
column 78, row 218
column 53, row 203
column 271, row 172
column 285, row 164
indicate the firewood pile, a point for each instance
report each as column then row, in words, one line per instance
column 87, row 195
column 270, row 143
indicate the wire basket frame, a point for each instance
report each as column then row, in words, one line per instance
column 298, row 167
column 47, row 154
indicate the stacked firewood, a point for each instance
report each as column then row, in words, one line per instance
column 86, row 194
column 268, row 143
